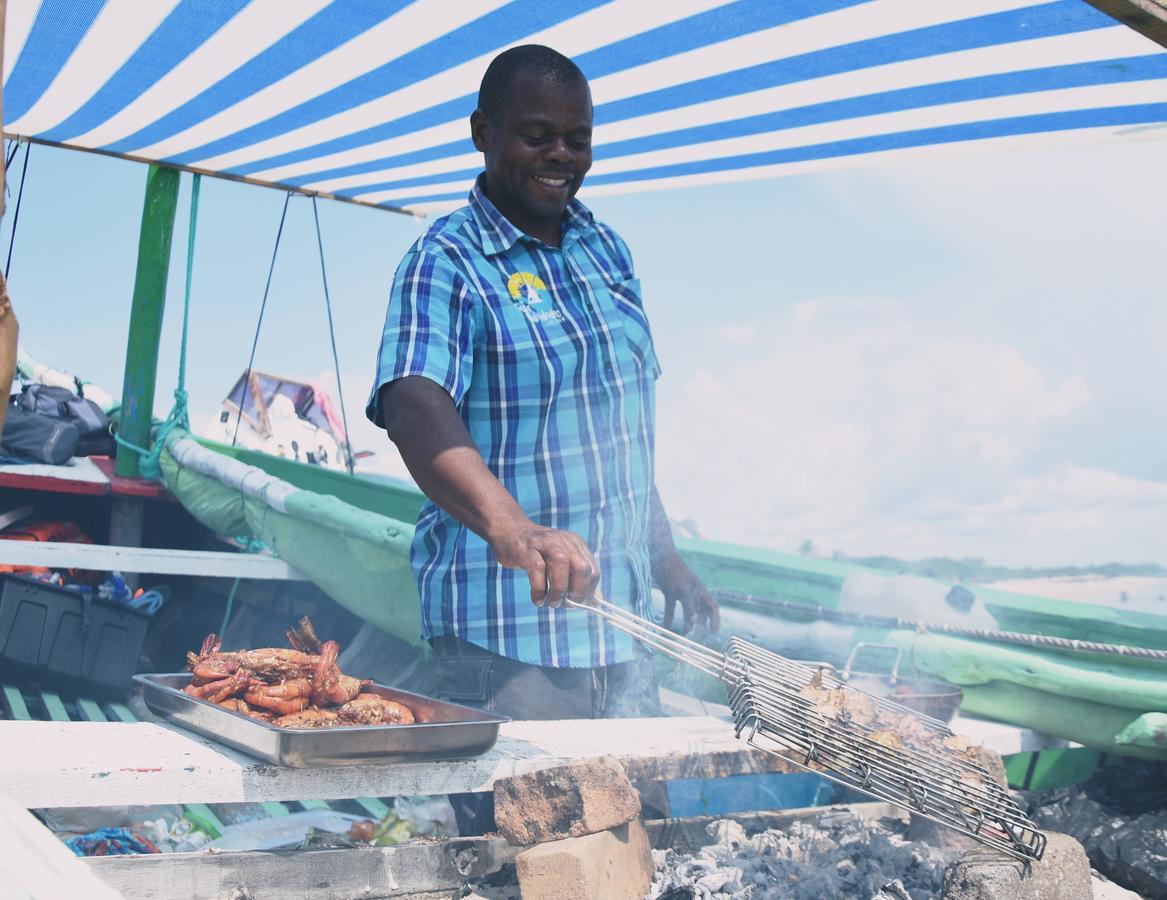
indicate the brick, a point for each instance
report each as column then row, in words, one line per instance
column 1062, row 874
column 565, row 802
column 612, row 865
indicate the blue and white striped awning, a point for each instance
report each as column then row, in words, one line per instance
column 368, row 100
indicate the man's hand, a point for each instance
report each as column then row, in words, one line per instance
column 559, row 563
column 675, row 579
column 7, row 316
column 8, row 337
column 680, row 584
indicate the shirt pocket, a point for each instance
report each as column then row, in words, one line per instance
column 466, row 680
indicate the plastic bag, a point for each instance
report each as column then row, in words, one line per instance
column 430, row 816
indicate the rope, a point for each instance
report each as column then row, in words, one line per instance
column 230, row 606
column 348, row 456
column 16, row 212
column 979, row 634
column 259, row 324
column 179, row 417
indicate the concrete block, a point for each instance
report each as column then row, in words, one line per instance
column 936, row 835
column 565, row 802
column 1062, row 874
column 993, row 763
column 610, row 865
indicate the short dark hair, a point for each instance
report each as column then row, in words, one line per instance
column 495, row 91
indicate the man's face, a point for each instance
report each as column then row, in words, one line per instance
column 537, row 153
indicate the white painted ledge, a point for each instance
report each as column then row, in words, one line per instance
column 108, row 763
column 154, row 561
column 36, row 865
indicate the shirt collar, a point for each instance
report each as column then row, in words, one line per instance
column 498, row 235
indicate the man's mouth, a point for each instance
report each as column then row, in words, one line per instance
column 551, row 181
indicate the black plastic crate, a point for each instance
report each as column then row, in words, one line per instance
column 59, row 636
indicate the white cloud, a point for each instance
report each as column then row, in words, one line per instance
column 849, row 423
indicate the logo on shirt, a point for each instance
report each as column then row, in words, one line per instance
column 524, row 288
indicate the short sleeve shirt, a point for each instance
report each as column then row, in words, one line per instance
column 548, row 357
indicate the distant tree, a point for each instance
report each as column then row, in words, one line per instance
column 806, row 548
column 977, row 571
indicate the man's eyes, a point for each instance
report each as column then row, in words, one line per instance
column 576, row 140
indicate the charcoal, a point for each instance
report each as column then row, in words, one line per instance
column 837, row 856
column 893, row 890
column 1135, row 854
column 1119, row 816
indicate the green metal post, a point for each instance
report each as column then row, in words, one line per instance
column 146, row 313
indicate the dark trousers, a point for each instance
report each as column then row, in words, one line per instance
column 472, row 676
column 476, row 677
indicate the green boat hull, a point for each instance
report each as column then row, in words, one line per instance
column 1103, row 702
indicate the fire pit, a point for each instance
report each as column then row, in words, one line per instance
column 862, row 852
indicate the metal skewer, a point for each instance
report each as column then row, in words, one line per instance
column 860, row 746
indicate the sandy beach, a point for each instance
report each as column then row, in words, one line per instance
column 1146, row 593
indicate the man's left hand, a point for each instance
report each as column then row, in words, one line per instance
column 680, row 584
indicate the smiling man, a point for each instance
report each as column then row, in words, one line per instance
column 517, row 377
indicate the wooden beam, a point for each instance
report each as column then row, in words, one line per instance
column 112, row 763
column 80, row 476
column 1147, row 17
column 154, row 560
column 36, row 864
column 430, row 868
column 149, row 299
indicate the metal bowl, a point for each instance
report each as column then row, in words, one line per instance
column 937, row 699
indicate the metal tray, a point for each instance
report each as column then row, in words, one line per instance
column 442, row 730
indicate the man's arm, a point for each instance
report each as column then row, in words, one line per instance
column 676, row 580
column 8, row 338
column 421, row 420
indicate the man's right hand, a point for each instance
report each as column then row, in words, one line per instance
column 559, row 563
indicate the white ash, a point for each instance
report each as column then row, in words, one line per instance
column 837, row 856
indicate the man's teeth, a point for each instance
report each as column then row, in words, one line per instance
column 551, row 182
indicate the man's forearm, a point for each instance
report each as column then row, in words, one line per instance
column 421, row 420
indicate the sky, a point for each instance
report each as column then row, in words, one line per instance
column 959, row 357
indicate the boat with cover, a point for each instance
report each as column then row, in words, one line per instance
column 350, row 535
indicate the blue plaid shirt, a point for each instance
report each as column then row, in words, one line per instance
column 548, row 357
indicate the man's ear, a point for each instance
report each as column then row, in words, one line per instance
column 480, row 126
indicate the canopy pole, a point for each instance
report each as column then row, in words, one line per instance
column 146, row 311
column 1147, row 17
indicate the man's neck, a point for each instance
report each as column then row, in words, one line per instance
column 548, row 232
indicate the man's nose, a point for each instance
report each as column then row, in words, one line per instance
column 560, row 151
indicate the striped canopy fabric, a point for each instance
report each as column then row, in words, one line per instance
column 368, row 100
